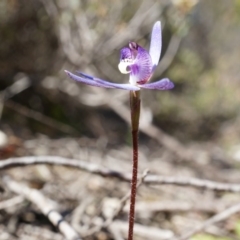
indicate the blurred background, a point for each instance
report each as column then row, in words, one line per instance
column 192, row 130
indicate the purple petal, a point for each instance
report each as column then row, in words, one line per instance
column 97, row 82
column 86, row 80
column 141, row 70
column 164, row 84
column 84, row 75
column 156, row 44
column 127, row 57
column 126, row 54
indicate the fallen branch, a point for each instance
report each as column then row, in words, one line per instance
column 193, row 182
column 55, row 160
column 106, row 172
column 46, row 206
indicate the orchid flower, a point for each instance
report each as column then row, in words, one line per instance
column 138, row 63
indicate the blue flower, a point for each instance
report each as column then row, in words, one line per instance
column 138, row 63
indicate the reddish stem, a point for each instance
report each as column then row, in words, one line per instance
column 135, row 114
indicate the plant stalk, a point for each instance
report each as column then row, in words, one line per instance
column 135, row 114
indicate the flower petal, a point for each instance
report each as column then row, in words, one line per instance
column 126, row 54
column 126, row 59
column 164, row 84
column 156, row 44
column 97, row 82
column 141, row 70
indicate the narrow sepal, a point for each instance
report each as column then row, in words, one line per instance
column 97, row 82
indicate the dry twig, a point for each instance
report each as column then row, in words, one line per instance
column 46, row 206
column 106, row 172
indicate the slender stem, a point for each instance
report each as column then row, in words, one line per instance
column 135, row 114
